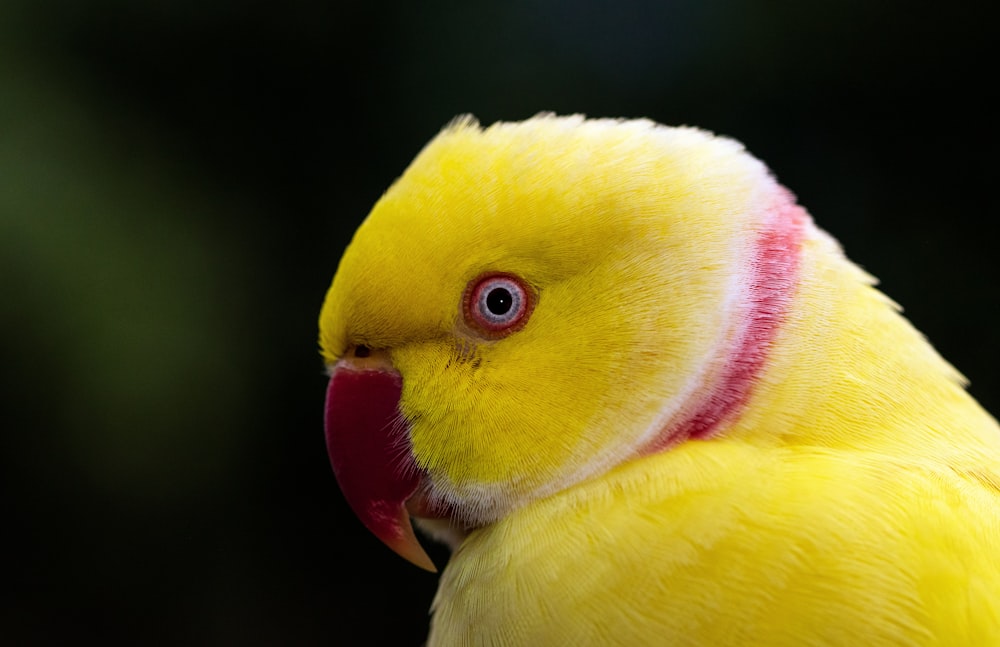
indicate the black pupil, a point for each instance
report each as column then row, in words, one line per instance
column 499, row 301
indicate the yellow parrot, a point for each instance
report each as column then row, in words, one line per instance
column 646, row 401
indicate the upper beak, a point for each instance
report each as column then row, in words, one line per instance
column 369, row 449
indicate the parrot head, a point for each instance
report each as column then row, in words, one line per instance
column 532, row 304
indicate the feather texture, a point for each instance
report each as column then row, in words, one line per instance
column 711, row 430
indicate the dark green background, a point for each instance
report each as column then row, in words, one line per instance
column 178, row 180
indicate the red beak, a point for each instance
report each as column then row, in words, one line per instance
column 370, row 452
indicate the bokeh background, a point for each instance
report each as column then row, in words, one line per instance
column 178, row 180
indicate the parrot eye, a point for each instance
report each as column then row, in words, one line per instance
column 497, row 304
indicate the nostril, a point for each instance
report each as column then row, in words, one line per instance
column 362, row 351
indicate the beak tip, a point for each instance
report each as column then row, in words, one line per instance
column 403, row 541
column 418, row 557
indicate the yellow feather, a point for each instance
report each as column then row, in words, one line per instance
column 851, row 494
column 723, row 543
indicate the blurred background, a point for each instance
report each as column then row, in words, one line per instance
column 177, row 183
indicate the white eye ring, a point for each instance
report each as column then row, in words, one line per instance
column 497, row 304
